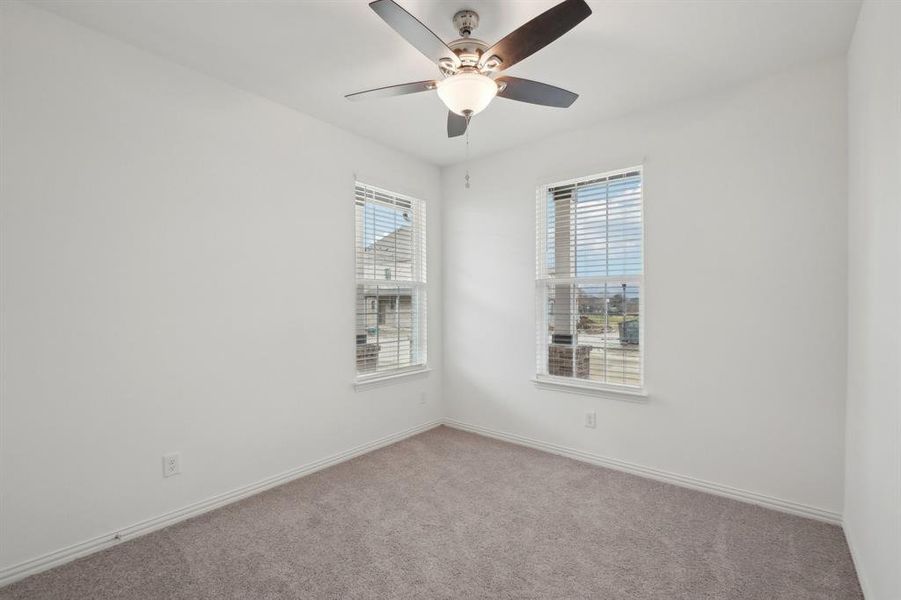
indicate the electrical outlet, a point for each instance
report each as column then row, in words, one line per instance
column 591, row 419
column 171, row 464
column 422, row 398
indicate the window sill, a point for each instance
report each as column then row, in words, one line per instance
column 591, row 389
column 374, row 381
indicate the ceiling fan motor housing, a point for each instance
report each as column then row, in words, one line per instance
column 469, row 51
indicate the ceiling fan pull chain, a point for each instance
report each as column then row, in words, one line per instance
column 467, row 158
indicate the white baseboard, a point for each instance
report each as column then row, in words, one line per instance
column 861, row 577
column 786, row 506
column 64, row 555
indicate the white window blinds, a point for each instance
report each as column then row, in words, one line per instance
column 589, row 276
column 391, row 282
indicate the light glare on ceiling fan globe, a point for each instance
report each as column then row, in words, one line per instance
column 467, row 93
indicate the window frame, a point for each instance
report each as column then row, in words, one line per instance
column 542, row 378
column 419, row 317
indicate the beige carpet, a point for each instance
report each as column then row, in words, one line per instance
column 448, row 514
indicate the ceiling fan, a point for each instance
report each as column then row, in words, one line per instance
column 469, row 65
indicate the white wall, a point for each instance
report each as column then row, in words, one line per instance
column 873, row 459
column 745, row 196
column 177, row 275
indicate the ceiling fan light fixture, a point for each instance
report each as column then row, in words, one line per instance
column 467, row 94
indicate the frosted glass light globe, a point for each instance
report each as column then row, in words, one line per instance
column 467, row 93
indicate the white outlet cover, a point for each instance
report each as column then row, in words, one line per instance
column 171, row 464
column 591, row 419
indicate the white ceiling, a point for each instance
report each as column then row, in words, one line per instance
column 627, row 55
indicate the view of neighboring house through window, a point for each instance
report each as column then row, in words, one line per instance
column 391, row 282
column 590, row 269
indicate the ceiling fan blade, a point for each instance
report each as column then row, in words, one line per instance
column 394, row 90
column 456, row 125
column 411, row 29
column 537, row 33
column 535, row 92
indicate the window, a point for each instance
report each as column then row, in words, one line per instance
column 589, row 280
column 391, row 282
